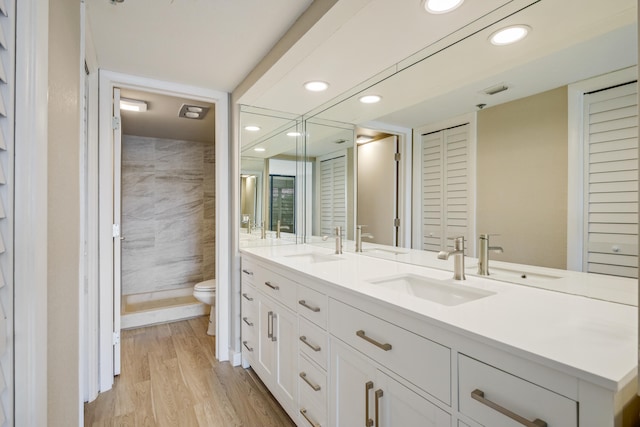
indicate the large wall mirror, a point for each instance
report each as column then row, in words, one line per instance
column 272, row 184
column 535, row 141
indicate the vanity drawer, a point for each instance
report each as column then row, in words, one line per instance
column 278, row 287
column 313, row 381
column 313, row 305
column 420, row 361
column 492, row 397
column 248, row 272
column 314, row 342
column 309, row 413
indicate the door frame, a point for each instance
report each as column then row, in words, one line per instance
column 575, row 176
column 108, row 80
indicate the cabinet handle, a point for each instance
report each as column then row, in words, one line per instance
column 385, row 347
column 274, row 317
column 244, row 343
column 270, row 324
column 247, row 297
column 479, row 396
column 274, row 287
column 378, row 396
column 245, row 320
column 310, row 307
column 367, row 386
column 309, row 420
column 313, row 347
column 245, row 271
column 315, row 387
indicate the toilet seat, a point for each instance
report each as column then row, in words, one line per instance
column 206, row 286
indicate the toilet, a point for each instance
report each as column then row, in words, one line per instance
column 206, row 292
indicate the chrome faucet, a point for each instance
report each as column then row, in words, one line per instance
column 279, row 228
column 359, row 236
column 458, row 260
column 249, row 228
column 483, row 254
column 338, row 236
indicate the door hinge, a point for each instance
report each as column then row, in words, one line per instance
column 397, row 157
column 116, row 337
column 115, row 123
column 396, row 222
column 116, row 230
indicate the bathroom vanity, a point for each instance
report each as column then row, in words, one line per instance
column 353, row 340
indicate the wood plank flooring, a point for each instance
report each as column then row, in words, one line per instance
column 170, row 377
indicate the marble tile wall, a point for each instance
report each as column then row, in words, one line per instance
column 168, row 215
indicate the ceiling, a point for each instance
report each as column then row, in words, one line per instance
column 161, row 119
column 206, row 43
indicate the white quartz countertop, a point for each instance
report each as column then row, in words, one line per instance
column 590, row 338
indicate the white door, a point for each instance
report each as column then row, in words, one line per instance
column 378, row 190
column 117, row 238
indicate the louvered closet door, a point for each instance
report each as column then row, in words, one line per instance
column 611, row 182
column 445, row 187
column 333, row 194
column 7, row 94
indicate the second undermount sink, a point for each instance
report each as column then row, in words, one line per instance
column 519, row 276
column 313, row 257
column 434, row 290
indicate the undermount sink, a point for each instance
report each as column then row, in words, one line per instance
column 313, row 257
column 433, row 290
column 519, row 276
column 384, row 251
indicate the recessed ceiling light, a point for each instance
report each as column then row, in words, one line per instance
column 252, row 128
column 316, row 86
column 509, row 35
column 293, row 134
column 132, row 105
column 259, row 149
column 441, row 6
column 370, row 99
column 194, row 109
column 191, row 115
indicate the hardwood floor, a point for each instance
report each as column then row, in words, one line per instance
column 170, row 377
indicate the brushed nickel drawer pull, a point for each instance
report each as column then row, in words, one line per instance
column 274, row 317
column 367, row 386
column 309, row 420
column 385, row 347
column 245, row 271
column 479, row 396
column 248, row 298
column 378, row 396
column 270, row 324
column 310, row 307
column 244, row 343
column 246, row 320
column 274, row 287
column 313, row 347
column 315, row 387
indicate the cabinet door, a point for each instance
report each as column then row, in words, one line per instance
column 352, row 387
column 285, row 328
column 266, row 346
column 399, row 406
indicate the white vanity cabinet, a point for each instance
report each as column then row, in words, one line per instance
column 270, row 347
column 336, row 357
column 363, row 394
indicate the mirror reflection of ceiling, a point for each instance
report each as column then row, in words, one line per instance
column 161, row 118
column 561, row 49
column 570, row 40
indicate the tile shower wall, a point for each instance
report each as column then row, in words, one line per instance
column 168, row 220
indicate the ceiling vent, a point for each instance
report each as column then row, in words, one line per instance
column 496, row 89
column 193, row 111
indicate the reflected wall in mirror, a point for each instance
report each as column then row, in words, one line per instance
column 547, row 165
column 272, row 179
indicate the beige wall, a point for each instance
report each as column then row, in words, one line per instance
column 522, row 178
column 63, row 213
